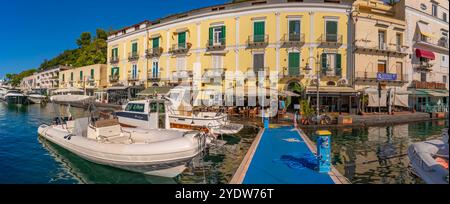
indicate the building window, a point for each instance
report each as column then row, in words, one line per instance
column 217, row 35
column 63, row 77
column 381, row 39
column 331, row 61
column 71, row 76
column 423, row 77
column 182, row 40
column 294, row 30
column 134, row 49
column 294, row 64
column 258, row 62
column 331, row 31
column 381, row 66
column 81, row 75
column 399, row 41
column 155, row 42
column 434, row 10
column 92, row 73
column 423, row 7
column 444, row 79
column 444, row 17
column 115, row 53
column 134, row 71
column 259, row 31
column 155, row 69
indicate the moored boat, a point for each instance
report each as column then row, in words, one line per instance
column 36, row 97
column 15, row 97
column 158, row 152
column 70, row 95
column 429, row 159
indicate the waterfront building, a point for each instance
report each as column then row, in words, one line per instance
column 427, row 36
column 89, row 78
column 28, row 83
column 295, row 39
column 380, row 54
column 44, row 80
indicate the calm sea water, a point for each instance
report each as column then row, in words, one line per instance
column 363, row 155
column 378, row 154
column 26, row 158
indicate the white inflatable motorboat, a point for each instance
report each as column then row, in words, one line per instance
column 429, row 160
column 159, row 152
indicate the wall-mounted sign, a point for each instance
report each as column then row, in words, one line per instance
column 386, row 77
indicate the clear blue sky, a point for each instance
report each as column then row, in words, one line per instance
column 32, row 31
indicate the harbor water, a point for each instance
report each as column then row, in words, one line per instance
column 362, row 154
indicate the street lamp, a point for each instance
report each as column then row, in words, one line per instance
column 307, row 69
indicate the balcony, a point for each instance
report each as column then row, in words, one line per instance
column 330, row 40
column 255, row 41
column 291, row 72
column 114, row 78
column 256, row 70
column 381, row 49
column 154, row 78
column 215, row 73
column 428, row 85
column 154, row 52
column 216, row 44
column 114, row 60
column 437, row 44
column 293, row 40
column 91, row 84
column 133, row 56
column 423, row 66
column 371, row 77
column 130, row 77
column 180, row 74
column 180, row 48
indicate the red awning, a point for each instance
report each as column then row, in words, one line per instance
column 425, row 54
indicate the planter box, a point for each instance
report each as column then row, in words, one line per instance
column 439, row 115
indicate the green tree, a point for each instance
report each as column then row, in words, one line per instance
column 101, row 34
column 84, row 40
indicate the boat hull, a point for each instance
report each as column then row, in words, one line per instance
column 16, row 100
column 37, row 100
column 421, row 156
column 148, row 159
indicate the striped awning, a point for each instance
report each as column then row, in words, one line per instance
column 332, row 91
column 425, row 30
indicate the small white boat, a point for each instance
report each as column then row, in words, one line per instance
column 136, row 115
column 429, row 160
column 70, row 95
column 158, row 152
column 3, row 93
column 36, row 97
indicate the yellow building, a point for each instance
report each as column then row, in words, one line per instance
column 282, row 36
column 90, row 77
column 380, row 50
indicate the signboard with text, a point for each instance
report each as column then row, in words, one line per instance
column 386, row 76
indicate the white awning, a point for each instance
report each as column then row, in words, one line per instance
column 117, row 88
column 425, row 30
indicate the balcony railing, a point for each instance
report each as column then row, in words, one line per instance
column 215, row 72
column 423, row 66
column 289, row 72
column 153, row 77
column 154, row 52
column 441, row 43
column 258, row 40
column 293, row 39
column 179, row 74
column 180, row 48
column 330, row 40
column 114, row 60
column 133, row 56
column 428, row 85
column 114, row 78
column 372, row 77
column 131, row 77
column 216, row 44
column 382, row 48
column 256, row 70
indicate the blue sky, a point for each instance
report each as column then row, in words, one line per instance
column 32, row 31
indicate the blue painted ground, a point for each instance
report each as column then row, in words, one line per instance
column 282, row 157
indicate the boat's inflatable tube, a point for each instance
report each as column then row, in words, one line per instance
column 422, row 158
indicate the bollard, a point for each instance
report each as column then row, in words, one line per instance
column 266, row 122
column 324, row 150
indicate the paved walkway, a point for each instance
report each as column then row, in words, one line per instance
column 283, row 157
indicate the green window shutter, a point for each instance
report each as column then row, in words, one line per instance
column 324, row 62
column 291, row 27
column 331, row 32
column 71, row 76
column 63, row 77
column 224, row 36
column 81, row 75
column 211, row 36
column 294, row 63
column 338, row 65
column 134, row 47
column 92, row 73
column 258, row 31
column 155, row 42
column 182, row 39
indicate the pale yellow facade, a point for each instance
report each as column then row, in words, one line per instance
column 89, row 77
column 239, row 46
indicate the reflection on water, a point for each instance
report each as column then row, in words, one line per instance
column 378, row 154
column 27, row 158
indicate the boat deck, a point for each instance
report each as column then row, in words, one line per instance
column 283, row 155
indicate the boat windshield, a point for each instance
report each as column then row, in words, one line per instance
column 135, row 107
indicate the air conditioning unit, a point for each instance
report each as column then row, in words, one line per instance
column 342, row 82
